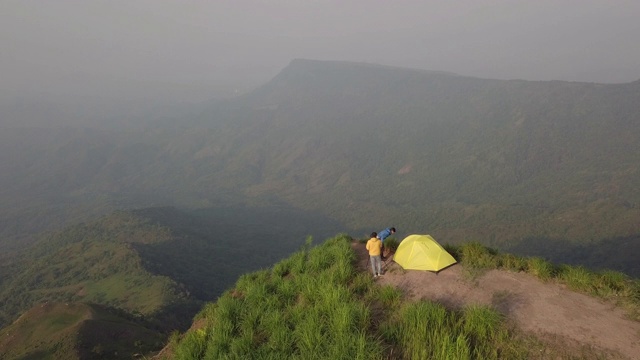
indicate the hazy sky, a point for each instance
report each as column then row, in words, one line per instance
column 127, row 47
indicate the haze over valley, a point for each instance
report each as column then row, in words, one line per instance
column 153, row 158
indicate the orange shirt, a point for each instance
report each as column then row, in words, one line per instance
column 374, row 245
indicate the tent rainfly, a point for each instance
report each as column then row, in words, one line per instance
column 422, row 252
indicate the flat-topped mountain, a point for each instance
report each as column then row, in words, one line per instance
column 520, row 165
column 535, row 168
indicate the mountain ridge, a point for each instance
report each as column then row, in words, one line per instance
column 77, row 331
column 498, row 161
column 322, row 302
column 535, row 143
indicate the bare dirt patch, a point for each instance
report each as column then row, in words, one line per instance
column 550, row 311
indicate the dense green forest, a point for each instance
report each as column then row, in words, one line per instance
column 507, row 163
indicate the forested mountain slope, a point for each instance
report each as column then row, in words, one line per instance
column 417, row 140
column 514, row 164
column 158, row 263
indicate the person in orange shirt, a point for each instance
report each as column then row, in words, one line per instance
column 374, row 245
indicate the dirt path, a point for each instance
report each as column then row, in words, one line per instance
column 549, row 310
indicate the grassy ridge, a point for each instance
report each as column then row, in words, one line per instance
column 154, row 265
column 93, row 263
column 316, row 305
column 154, row 262
column 76, row 331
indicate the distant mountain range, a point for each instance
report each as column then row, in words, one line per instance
column 502, row 162
column 150, row 219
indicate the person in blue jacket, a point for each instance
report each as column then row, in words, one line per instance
column 383, row 234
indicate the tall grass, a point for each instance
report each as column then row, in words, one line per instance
column 426, row 330
column 391, row 243
column 541, row 268
column 389, row 296
column 476, row 255
column 316, row 305
column 606, row 284
column 305, row 307
column 513, row 263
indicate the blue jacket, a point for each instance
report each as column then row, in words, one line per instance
column 384, row 234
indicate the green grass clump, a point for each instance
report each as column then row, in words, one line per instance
column 611, row 282
column 390, row 296
column 606, row 284
column 576, row 278
column 427, row 330
column 541, row 268
column 475, row 255
column 191, row 345
column 513, row 263
column 391, row 243
column 303, row 308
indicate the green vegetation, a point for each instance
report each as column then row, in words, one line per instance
column 498, row 162
column 77, row 331
column 544, row 169
column 154, row 266
column 158, row 262
column 303, row 307
column 391, row 243
column 94, row 263
column 610, row 285
column 315, row 305
column 429, row 331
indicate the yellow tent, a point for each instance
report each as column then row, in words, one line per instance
column 422, row 252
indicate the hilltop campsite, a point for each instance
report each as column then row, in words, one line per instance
column 336, row 179
column 323, row 303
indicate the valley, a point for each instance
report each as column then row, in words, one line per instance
column 150, row 219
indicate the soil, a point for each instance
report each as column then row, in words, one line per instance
column 566, row 323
